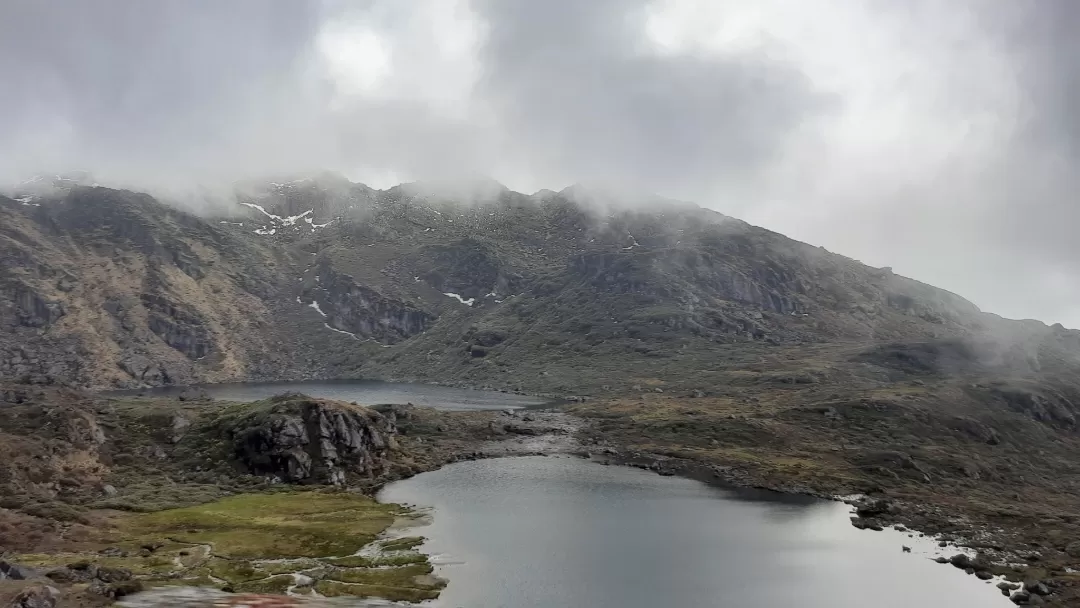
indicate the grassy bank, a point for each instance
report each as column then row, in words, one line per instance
column 268, row 543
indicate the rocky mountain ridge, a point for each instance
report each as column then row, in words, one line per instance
column 318, row 277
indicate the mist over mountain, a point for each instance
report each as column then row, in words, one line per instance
column 938, row 139
column 321, row 277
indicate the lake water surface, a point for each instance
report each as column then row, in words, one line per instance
column 364, row 392
column 561, row 531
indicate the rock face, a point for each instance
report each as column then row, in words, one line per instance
column 299, row 439
column 107, row 288
column 365, row 312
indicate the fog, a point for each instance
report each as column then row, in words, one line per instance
column 939, row 138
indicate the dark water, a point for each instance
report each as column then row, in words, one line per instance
column 363, row 392
column 546, row 532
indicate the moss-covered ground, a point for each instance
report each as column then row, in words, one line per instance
column 256, row 543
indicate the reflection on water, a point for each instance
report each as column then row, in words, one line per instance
column 540, row 532
column 361, row 391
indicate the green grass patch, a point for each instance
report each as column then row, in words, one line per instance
column 396, row 594
column 277, row 525
column 259, row 540
column 364, row 561
column 402, row 544
column 400, row 576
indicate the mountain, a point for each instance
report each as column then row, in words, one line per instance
column 554, row 292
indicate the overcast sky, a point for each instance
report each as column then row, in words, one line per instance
column 937, row 137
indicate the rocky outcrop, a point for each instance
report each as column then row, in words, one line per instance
column 468, row 267
column 365, row 312
column 34, row 310
column 178, row 326
column 298, row 439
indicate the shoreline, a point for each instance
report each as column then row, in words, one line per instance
column 956, row 533
column 909, row 540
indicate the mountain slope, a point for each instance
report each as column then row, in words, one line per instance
column 113, row 288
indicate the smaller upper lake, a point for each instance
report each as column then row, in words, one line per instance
column 364, row 392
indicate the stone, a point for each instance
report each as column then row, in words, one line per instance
column 193, row 394
column 9, row 571
column 36, row 596
column 180, row 424
column 873, row 508
column 1036, row 587
column 1020, row 597
column 113, row 575
column 1073, row 548
column 63, row 576
column 983, row 575
column 108, row 490
column 961, row 561
column 115, row 590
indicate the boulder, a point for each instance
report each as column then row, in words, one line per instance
column 983, row 575
column 1036, row 587
column 12, row 572
column 873, row 508
column 1073, row 548
column 115, row 590
column 961, row 561
column 193, row 394
column 113, row 575
column 37, row 595
column 1020, row 597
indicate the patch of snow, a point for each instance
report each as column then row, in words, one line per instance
column 417, row 279
column 468, row 302
column 315, row 305
column 265, row 231
column 491, row 295
column 340, row 331
column 263, row 211
column 634, row 242
column 289, row 221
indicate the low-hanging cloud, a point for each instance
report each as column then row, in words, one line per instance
column 938, row 138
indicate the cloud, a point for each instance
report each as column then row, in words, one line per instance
column 937, row 138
